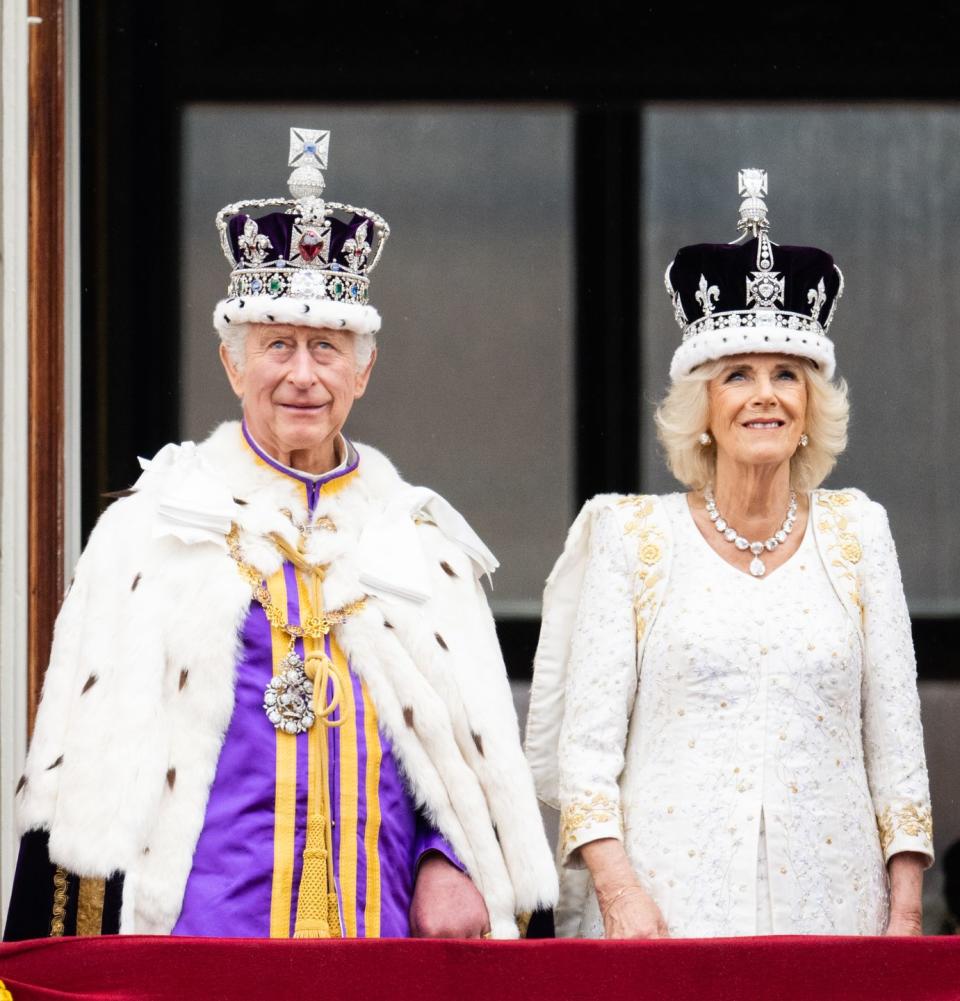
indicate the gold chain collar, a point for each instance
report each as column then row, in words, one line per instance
column 314, row 626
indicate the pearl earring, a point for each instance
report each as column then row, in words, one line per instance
column 705, row 439
column 804, row 440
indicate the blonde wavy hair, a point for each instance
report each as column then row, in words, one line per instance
column 683, row 415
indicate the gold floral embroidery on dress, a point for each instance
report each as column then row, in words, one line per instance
column 581, row 815
column 845, row 546
column 914, row 821
column 649, row 554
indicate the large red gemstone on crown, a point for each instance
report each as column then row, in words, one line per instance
column 311, row 243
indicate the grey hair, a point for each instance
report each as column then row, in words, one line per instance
column 234, row 338
column 684, row 413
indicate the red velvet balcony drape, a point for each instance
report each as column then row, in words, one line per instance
column 785, row 969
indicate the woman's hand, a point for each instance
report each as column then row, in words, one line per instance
column 632, row 913
column 906, row 890
column 628, row 910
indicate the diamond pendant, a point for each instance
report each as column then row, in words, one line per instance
column 756, row 567
column 288, row 699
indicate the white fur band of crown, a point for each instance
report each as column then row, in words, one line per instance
column 361, row 319
column 752, row 333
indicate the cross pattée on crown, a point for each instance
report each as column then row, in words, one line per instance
column 309, row 149
column 309, row 146
column 751, row 182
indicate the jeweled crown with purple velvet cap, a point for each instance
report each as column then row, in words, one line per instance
column 308, row 264
column 753, row 295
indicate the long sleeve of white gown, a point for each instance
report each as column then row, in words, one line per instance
column 600, row 692
column 892, row 734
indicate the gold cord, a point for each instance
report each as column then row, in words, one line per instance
column 318, row 910
column 59, row 902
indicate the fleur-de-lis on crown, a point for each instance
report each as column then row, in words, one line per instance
column 707, row 295
column 357, row 249
column 254, row 245
column 817, row 297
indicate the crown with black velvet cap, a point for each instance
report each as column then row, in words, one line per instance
column 307, row 264
column 753, row 295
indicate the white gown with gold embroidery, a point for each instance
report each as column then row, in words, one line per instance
column 750, row 763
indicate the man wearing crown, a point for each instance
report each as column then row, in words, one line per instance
column 275, row 704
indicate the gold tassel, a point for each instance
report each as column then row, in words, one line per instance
column 318, row 909
column 313, row 909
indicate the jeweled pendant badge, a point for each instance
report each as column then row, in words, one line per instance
column 288, row 699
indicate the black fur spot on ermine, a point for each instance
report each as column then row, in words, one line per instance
column 56, row 764
column 171, row 777
column 136, row 581
column 88, row 684
column 447, row 569
column 441, row 641
column 408, row 716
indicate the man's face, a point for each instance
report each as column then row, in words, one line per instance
column 297, row 386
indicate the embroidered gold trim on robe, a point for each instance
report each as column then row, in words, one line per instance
column 90, row 906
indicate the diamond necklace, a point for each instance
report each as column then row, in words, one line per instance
column 757, row 566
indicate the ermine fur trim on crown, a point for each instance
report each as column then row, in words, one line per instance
column 763, row 336
column 300, row 312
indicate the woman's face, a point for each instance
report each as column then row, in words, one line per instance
column 758, row 406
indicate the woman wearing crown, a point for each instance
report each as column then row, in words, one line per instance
column 724, row 706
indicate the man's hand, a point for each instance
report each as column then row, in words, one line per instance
column 446, row 904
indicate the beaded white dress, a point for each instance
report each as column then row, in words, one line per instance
column 739, row 759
